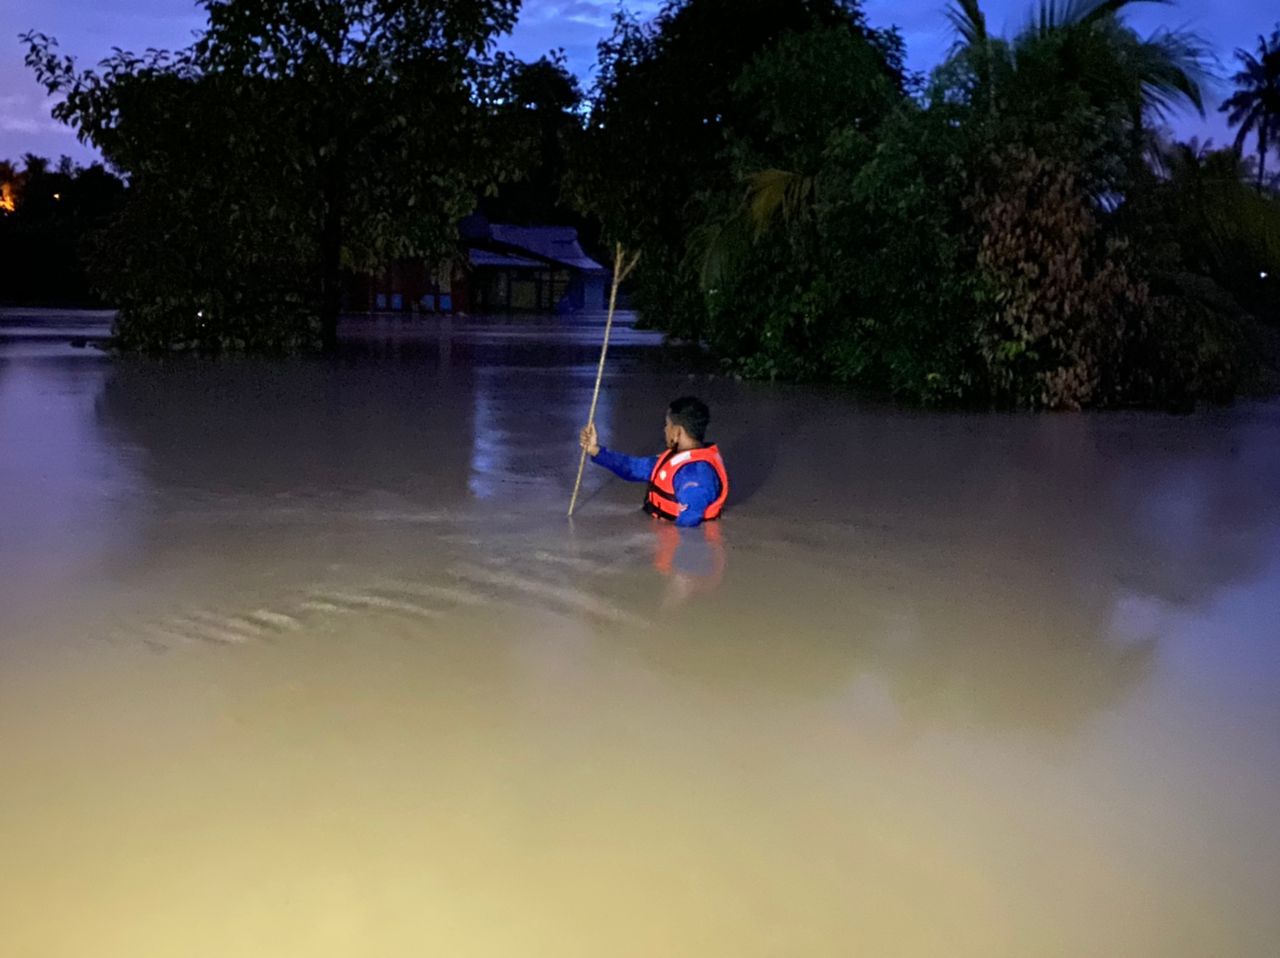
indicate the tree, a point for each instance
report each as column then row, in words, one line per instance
column 46, row 228
column 1063, row 115
column 985, row 244
column 1065, row 294
column 787, row 125
column 1075, row 78
column 540, row 121
column 661, row 109
column 1204, row 222
column 1255, row 106
column 782, row 291
column 293, row 139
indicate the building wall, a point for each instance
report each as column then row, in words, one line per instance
column 499, row 290
column 404, row 286
column 409, row 286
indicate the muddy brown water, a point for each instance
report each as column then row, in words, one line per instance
column 303, row 658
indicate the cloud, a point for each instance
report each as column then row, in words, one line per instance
column 22, row 124
column 575, row 26
column 26, row 125
column 583, row 11
column 592, row 12
column 27, row 113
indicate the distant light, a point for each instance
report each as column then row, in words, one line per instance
column 199, row 314
column 57, row 196
column 1262, row 275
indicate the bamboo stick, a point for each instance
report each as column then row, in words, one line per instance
column 621, row 269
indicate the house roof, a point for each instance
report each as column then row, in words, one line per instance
column 499, row 244
column 484, row 257
column 556, row 243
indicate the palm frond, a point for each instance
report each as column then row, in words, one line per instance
column 1248, row 123
column 1053, row 16
column 1239, row 102
column 1090, row 11
column 969, row 22
column 719, row 248
column 1253, row 74
column 1175, row 66
column 771, row 192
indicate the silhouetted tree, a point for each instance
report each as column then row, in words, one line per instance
column 49, row 218
column 1255, row 106
column 293, row 139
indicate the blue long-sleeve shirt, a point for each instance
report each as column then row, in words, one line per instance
column 697, row 483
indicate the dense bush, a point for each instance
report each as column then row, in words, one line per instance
column 48, row 214
column 1008, row 233
column 295, row 139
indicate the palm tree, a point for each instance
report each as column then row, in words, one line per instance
column 1217, row 212
column 1087, row 45
column 1083, row 43
column 1255, row 106
column 978, row 48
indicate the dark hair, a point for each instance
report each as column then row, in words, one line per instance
column 692, row 414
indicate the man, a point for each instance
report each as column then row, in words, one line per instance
column 687, row 483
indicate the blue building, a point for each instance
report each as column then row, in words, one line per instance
column 502, row 269
column 529, row 269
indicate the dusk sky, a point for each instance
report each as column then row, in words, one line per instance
column 89, row 29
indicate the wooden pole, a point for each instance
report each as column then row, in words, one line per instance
column 621, row 270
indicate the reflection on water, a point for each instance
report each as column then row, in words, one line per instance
column 505, row 452
column 692, row 560
column 302, row 658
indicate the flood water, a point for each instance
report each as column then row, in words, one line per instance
column 302, row 658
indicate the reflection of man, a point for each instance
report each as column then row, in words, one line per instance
column 687, row 483
column 693, row 562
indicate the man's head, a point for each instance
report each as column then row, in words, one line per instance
column 686, row 425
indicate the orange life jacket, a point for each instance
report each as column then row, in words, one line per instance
column 660, row 499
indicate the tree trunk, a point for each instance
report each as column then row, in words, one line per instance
column 331, row 271
column 1262, row 157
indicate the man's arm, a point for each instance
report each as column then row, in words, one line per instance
column 630, row 468
column 699, row 486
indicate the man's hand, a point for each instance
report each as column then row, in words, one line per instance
column 589, row 441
